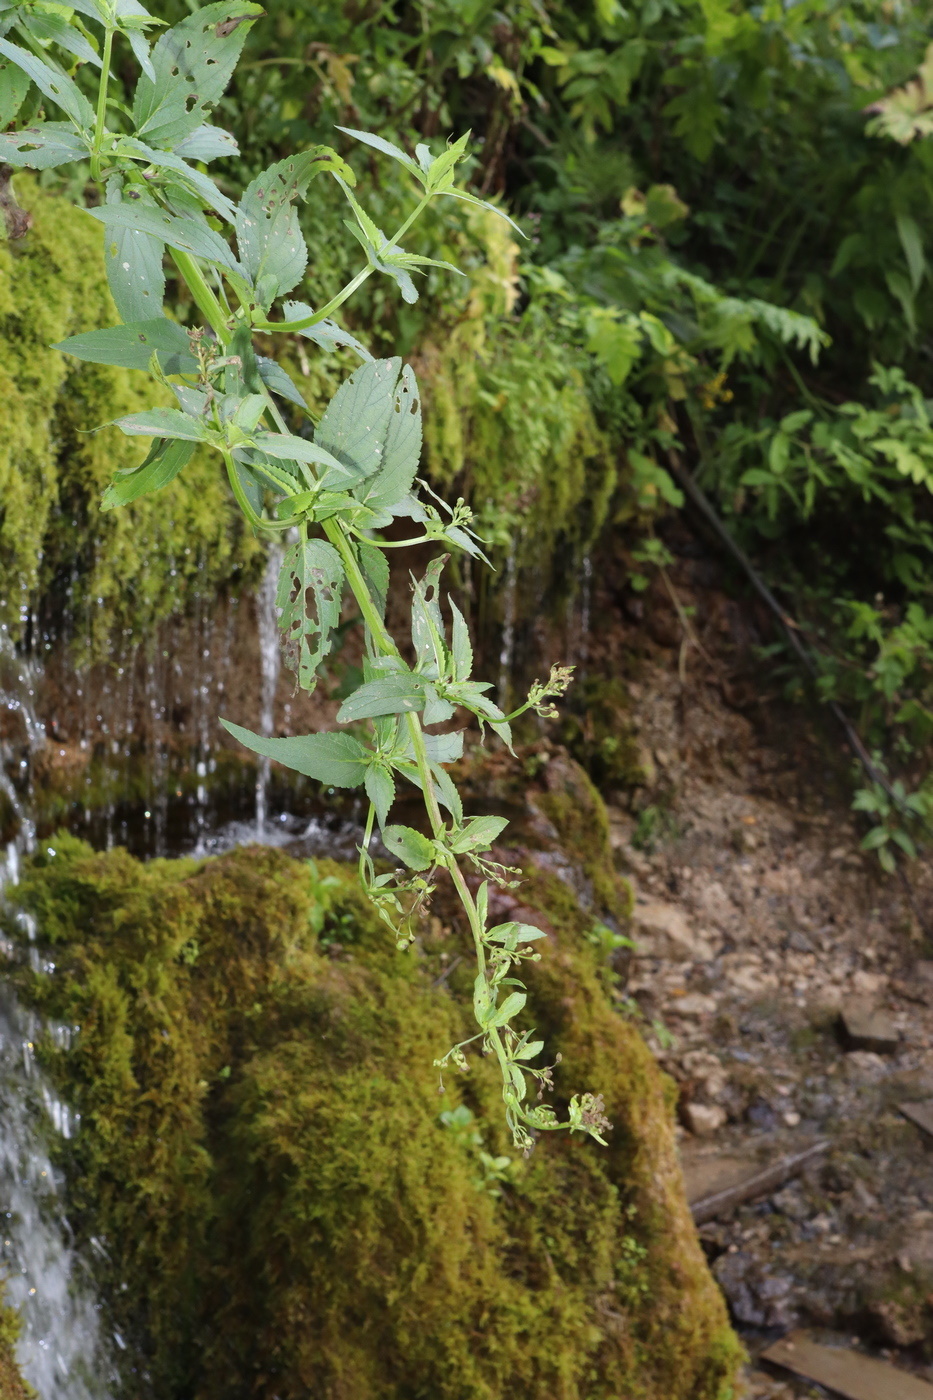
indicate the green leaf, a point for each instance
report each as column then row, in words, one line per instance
column 446, row 790
column 327, row 334
column 134, row 266
column 207, row 143
column 401, row 448
column 48, row 27
column 510, row 935
column 14, row 85
column 483, row 204
column 378, row 143
column 163, row 423
column 512, row 1005
column 338, row 760
column 409, row 845
column 462, row 647
column 52, row 84
column 43, row 146
column 528, row 1050
column 193, row 63
column 309, row 567
column 356, row 421
column 389, row 695
column 478, row 834
column 192, row 181
column 133, row 21
column 444, row 748
column 908, row 232
column 380, row 789
column 298, row 449
column 187, row 235
column 268, row 233
column 164, row 462
column 375, row 569
column 275, row 378
column 131, row 346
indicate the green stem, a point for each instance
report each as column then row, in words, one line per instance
column 238, row 491
column 99, row 126
column 308, row 321
column 205, row 299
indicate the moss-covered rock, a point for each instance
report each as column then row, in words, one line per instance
column 12, row 1385
column 263, row 1154
column 56, row 548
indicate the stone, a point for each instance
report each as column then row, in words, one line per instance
column 703, row 1119
column 694, row 1004
column 919, row 1113
column 663, row 931
column 865, row 1029
column 865, row 1067
column 756, row 1297
column 846, row 1373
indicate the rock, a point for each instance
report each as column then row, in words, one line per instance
column 662, row 931
column 792, row 1203
column 694, row 1004
column 756, row 1297
column 703, row 1119
column 865, row 1067
column 798, row 942
column 919, row 1113
column 846, row 1373
column 865, row 1029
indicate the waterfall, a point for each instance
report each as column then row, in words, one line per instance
column 507, row 651
column 270, row 662
column 61, row 1351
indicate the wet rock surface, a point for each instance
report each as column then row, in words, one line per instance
column 787, row 986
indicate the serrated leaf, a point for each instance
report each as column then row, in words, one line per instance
column 447, row 791
column 275, row 378
column 444, row 748
column 436, row 709
column 379, row 143
column 356, row 421
column 193, row 63
column 388, row 695
column 42, row 146
column 478, row 834
column 163, row 422
column 134, row 267
column 49, row 27
column 380, row 789
column 164, row 462
column 297, row 449
column 53, row 84
column 131, row 346
column 401, row 450
column 427, row 624
column 461, row 646
column 310, row 567
column 196, row 188
column 409, row 845
column 512, row 1005
column 338, row 760
column 268, row 233
column 207, row 143
column 188, row 235
column 482, row 204
column 327, row 334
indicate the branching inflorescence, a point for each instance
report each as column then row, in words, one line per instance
column 332, row 486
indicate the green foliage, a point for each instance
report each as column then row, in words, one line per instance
column 353, row 480
column 12, row 1385
column 265, row 1156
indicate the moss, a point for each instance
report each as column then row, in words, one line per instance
column 55, row 545
column 12, row 1385
column 596, row 725
column 262, row 1151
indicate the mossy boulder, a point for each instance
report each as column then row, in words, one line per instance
column 284, row 1210
column 12, row 1385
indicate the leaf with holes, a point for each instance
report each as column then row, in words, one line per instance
column 338, row 760
column 401, row 449
column 52, row 84
column 41, row 147
column 309, row 567
column 131, row 346
column 134, row 265
column 14, row 85
column 410, row 846
column 356, row 421
column 327, row 334
column 193, row 63
column 268, row 233
column 187, row 235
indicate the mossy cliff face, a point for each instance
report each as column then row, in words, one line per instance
column 263, row 1154
column 12, row 1385
column 56, row 548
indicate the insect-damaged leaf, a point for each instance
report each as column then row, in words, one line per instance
column 165, row 461
column 410, row 846
column 401, row 451
column 43, row 146
column 365, row 428
column 53, row 84
column 309, row 567
column 336, row 759
column 188, row 235
column 131, row 346
column 268, row 234
column 193, row 63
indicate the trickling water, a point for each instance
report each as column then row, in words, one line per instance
column 586, row 599
column 507, row 651
column 270, row 661
column 61, row 1351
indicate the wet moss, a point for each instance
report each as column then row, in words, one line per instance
column 12, row 1385
column 56, row 548
column 263, row 1155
